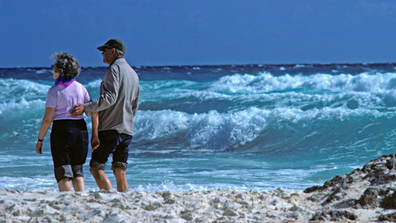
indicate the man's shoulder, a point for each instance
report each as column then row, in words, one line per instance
column 121, row 64
column 119, row 61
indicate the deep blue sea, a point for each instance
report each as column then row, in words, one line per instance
column 245, row 127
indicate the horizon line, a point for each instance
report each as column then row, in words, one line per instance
column 217, row 65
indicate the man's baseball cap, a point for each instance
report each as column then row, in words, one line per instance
column 113, row 43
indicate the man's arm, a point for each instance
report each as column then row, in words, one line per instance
column 95, row 136
column 108, row 95
column 135, row 104
column 77, row 110
column 108, row 92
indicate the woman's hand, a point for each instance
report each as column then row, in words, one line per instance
column 45, row 124
column 39, row 146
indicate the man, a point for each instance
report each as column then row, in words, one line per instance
column 117, row 105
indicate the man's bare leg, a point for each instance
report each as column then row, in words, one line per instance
column 122, row 183
column 78, row 184
column 101, row 179
column 64, row 185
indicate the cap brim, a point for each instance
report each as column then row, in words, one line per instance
column 103, row 47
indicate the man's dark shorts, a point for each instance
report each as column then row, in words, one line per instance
column 69, row 148
column 111, row 142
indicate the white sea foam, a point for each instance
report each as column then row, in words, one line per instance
column 231, row 130
column 94, row 84
column 25, row 183
column 266, row 82
column 41, row 71
column 13, row 89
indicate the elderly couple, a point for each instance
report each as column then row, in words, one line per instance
column 112, row 120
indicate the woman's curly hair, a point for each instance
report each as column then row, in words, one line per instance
column 66, row 65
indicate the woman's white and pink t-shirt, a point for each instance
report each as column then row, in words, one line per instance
column 63, row 99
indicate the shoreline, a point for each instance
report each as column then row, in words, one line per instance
column 193, row 206
column 364, row 195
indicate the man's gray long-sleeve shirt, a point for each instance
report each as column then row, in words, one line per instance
column 118, row 101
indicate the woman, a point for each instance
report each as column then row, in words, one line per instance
column 69, row 136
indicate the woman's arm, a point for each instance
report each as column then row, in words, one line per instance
column 45, row 124
column 95, row 135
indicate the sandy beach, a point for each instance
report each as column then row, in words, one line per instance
column 364, row 195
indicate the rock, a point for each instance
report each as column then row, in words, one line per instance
column 229, row 212
column 151, row 206
column 187, row 216
column 389, row 201
column 388, row 217
column 369, row 187
column 370, row 198
column 312, row 189
column 168, row 197
column 334, row 215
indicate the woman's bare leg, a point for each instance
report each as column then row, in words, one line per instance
column 78, row 184
column 64, row 185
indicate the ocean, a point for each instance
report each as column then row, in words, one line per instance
column 245, row 127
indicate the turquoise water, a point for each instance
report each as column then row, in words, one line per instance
column 215, row 127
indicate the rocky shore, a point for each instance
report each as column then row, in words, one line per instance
column 364, row 195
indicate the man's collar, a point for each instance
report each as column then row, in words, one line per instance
column 121, row 59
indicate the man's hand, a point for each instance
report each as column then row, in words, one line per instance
column 39, row 147
column 77, row 110
column 95, row 142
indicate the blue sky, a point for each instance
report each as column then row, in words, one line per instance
column 200, row 32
